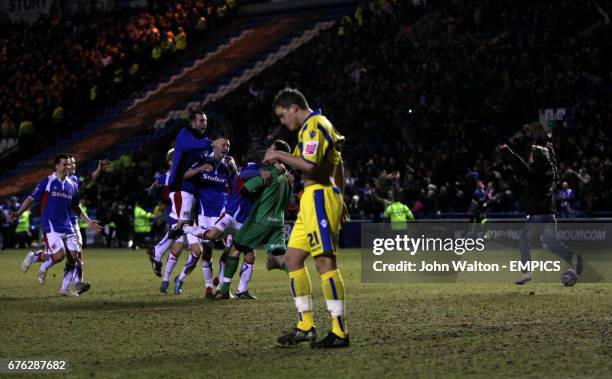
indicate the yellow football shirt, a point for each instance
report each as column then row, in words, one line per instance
column 318, row 140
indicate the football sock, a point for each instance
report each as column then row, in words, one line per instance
column 39, row 256
column 68, row 274
column 189, row 266
column 207, row 270
column 221, row 273
column 302, row 295
column 170, row 263
column 231, row 266
column 48, row 263
column 246, row 273
column 161, row 247
column 78, row 273
column 333, row 291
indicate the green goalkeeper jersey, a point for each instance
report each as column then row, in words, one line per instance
column 272, row 199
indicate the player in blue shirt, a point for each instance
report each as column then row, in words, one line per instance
column 41, row 256
column 190, row 144
column 212, row 177
column 57, row 195
column 81, row 286
column 237, row 209
column 157, row 252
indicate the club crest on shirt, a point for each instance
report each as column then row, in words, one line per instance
column 311, row 148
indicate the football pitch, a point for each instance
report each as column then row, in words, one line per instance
column 124, row 327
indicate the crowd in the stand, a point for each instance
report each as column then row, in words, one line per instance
column 424, row 94
column 59, row 72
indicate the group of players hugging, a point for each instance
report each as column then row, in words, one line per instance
column 212, row 200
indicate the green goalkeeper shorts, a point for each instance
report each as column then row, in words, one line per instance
column 252, row 235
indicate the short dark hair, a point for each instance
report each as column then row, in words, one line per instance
column 59, row 157
column 288, row 97
column 193, row 115
column 280, row 145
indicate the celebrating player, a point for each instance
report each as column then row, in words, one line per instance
column 265, row 224
column 212, row 178
column 317, row 155
column 237, row 209
column 190, row 143
column 57, row 195
column 41, row 256
column 540, row 173
column 157, row 252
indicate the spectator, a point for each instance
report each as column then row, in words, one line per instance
column 565, row 200
column 398, row 213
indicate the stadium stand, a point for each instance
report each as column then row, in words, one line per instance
column 424, row 93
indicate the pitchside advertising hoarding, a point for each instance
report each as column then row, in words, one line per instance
column 490, row 252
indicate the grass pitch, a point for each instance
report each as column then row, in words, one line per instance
column 124, row 327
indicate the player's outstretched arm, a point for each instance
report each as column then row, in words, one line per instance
column 27, row 203
column 93, row 224
column 518, row 162
column 102, row 166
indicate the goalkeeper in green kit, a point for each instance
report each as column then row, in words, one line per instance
column 266, row 222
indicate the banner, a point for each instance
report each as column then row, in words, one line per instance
column 25, row 10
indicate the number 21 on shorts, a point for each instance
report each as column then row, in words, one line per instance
column 313, row 239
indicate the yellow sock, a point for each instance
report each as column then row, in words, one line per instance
column 302, row 295
column 333, row 290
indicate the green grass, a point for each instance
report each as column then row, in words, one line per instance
column 124, row 327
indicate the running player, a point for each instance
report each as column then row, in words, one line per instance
column 41, row 256
column 57, row 195
column 157, row 252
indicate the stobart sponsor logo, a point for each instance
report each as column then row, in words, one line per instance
column 61, row 194
column 213, row 178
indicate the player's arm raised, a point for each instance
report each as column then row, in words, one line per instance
column 102, row 166
column 518, row 162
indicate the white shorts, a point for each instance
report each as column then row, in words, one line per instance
column 57, row 241
column 181, row 205
column 205, row 222
column 190, row 239
column 227, row 224
column 187, row 239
